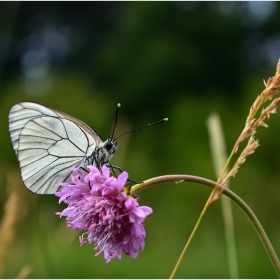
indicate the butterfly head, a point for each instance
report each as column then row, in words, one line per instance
column 103, row 153
column 110, row 146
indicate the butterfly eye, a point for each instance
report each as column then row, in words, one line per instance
column 108, row 145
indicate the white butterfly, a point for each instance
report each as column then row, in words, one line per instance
column 48, row 143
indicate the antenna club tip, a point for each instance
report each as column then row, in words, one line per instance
column 165, row 119
column 119, row 105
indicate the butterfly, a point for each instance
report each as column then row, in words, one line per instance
column 48, row 143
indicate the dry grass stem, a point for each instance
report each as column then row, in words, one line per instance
column 24, row 272
column 14, row 212
column 271, row 89
column 7, row 228
column 252, row 145
column 252, row 122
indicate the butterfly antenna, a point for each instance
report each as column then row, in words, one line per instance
column 116, row 119
column 139, row 128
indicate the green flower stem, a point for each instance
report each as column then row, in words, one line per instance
column 199, row 180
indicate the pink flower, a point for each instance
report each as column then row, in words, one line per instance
column 112, row 219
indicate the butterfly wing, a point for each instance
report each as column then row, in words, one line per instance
column 48, row 143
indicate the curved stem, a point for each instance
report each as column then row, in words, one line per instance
column 199, row 180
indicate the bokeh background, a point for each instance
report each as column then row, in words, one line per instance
column 181, row 60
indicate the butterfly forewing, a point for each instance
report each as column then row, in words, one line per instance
column 48, row 143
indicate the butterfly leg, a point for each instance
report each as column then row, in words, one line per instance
column 120, row 170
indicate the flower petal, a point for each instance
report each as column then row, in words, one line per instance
column 122, row 178
column 105, row 171
column 131, row 204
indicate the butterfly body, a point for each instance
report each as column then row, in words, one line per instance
column 48, row 143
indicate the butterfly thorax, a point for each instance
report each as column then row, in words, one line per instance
column 103, row 153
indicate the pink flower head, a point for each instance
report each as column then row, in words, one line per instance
column 98, row 204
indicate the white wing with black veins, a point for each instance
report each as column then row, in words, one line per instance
column 48, row 143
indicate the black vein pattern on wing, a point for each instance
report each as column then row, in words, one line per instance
column 56, row 111
column 47, row 167
column 49, row 178
column 20, row 118
column 47, row 128
column 17, row 117
column 59, row 119
column 33, row 108
column 21, row 166
column 68, row 135
column 16, row 120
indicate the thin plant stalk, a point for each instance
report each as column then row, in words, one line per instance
column 208, row 203
column 246, row 209
column 252, row 123
column 7, row 229
column 218, row 150
column 24, row 272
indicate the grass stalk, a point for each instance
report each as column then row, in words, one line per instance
column 218, row 150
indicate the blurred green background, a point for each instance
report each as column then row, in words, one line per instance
column 181, row 60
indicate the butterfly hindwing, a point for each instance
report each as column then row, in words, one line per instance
column 48, row 143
